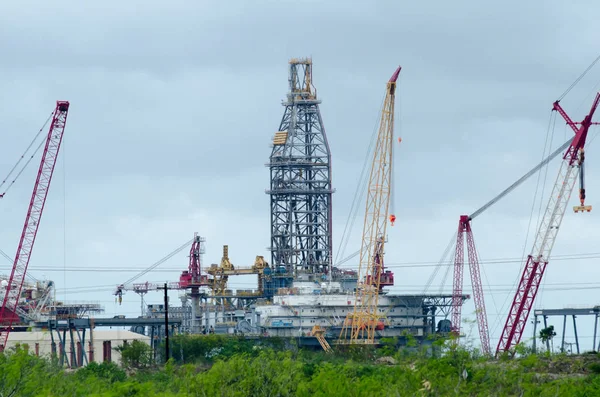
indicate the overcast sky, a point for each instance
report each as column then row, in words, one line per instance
column 173, row 106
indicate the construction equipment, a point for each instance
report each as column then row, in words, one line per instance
column 319, row 333
column 33, row 308
column 465, row 229
column 364, row 319
column 126, row 286
column 220, row 273
column 32, row 220
column 143, row 288
column 16, row 171
column 194, row 279
column 537, row 261
column 188, row 279
column 191, row 279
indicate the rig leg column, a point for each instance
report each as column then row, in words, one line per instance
column 562, row 343
column 595, row 332
column 535, row 321
column 576, row 337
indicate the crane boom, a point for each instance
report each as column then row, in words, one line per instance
column 520, row 180
column 159, row 262
column 547, row 231
column 364, row 318
column 482, row 324
column 464, row 228
column 32, row 220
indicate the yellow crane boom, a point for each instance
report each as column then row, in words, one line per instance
column 364, row 320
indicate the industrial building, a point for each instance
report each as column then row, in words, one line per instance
column 72, row 351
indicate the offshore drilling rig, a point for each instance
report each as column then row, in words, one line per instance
column 301, row 290
column 301, row 293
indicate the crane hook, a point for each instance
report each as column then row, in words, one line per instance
column 582, row 208
column 392, row 219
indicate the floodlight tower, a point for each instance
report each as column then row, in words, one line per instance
column 300, row 190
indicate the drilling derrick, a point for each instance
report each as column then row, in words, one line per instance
column 365, row 319
column 300, row 190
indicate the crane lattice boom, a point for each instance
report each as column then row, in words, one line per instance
column 464, row 229
column 364, row 319
column 547, row 231
column 32, row 220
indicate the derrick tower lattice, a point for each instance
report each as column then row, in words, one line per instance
column 300, row 191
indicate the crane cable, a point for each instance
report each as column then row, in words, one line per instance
column 361, row 187
column 488, row 286
column 358, row 196
column 541, row 214
column 392, row 210
column 11, row 260
column 447, row 272
column 486, row 206
column 8, row 258
column 169, row 256
column 578, row 79
column 23, row 156
column 553, row 121
column 551, row 125
column 395, row 265
column 346, row 259
column 439, row 264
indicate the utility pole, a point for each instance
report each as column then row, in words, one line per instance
column 166, row 288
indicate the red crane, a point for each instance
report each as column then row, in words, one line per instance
column 191, row 278
column 537, row 261
column 464, row 228
column 32, row 220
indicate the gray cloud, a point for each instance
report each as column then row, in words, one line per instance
column 174, row 105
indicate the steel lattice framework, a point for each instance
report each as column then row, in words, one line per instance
column 537, row 261
column 32, row 220
column 365, row 317
column 301, row 191
column 464, row 229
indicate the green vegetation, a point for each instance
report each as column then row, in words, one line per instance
column 136, row 355
column 212, row 365
column 547, row 335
